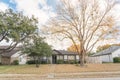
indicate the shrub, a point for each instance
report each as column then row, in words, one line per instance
column 66, row 62
column 116, row 60
column 48, row 62
column 60, row 61
column 43, row 62
column 31, row 62
column 15, row 62
column 77, row 62
column 72, row 61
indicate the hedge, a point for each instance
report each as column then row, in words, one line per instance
column 33, row 62
column 60, row 61
column 30, row 62
column 116, row 60
column 15, row 62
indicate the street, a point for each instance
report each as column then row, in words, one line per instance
column 31, row 78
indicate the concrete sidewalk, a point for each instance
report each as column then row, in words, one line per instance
column 81, row 73
column 64, row 76
column 60, row 79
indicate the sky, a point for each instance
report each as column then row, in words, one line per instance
column 43, row 10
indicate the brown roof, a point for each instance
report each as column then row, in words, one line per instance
column 9, row 54
column 63, row 52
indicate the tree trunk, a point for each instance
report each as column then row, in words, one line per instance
column 82, row 60
column 37, row 63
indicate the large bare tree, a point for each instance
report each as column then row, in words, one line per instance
column 84, row 22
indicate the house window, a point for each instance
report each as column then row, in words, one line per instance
column 65, row 56
column 77, row 57
column 71, row 57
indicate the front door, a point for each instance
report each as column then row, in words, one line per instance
column 54, row 59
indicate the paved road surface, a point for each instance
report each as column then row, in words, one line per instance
column 46, row 77
column 60, row 79
column 92, row 79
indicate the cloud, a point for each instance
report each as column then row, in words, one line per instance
column 3, row 6
column 38, row 8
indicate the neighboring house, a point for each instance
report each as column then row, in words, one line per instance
column 64, row 55
column 107, row 55
column 9, row 57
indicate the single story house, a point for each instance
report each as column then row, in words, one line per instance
column 9, row 57
column 66, row 56
column 107, row 55
column 61, row 55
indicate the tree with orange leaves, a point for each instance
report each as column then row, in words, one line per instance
column 72, row 48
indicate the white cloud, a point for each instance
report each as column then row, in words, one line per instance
column 3, row 6
column 38, row 8
column 58, row 44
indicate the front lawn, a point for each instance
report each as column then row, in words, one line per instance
column 60, row 68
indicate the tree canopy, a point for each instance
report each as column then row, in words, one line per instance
column 15, row 27
column 37, row 48
column 73, row 48
column 84, row 22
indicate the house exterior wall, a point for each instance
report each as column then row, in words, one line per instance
column 116, row 53
column 17, row 56
column 5, row 60
column 22, row 58
column 106, row 58
column 13, row 59
column 109, row 58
